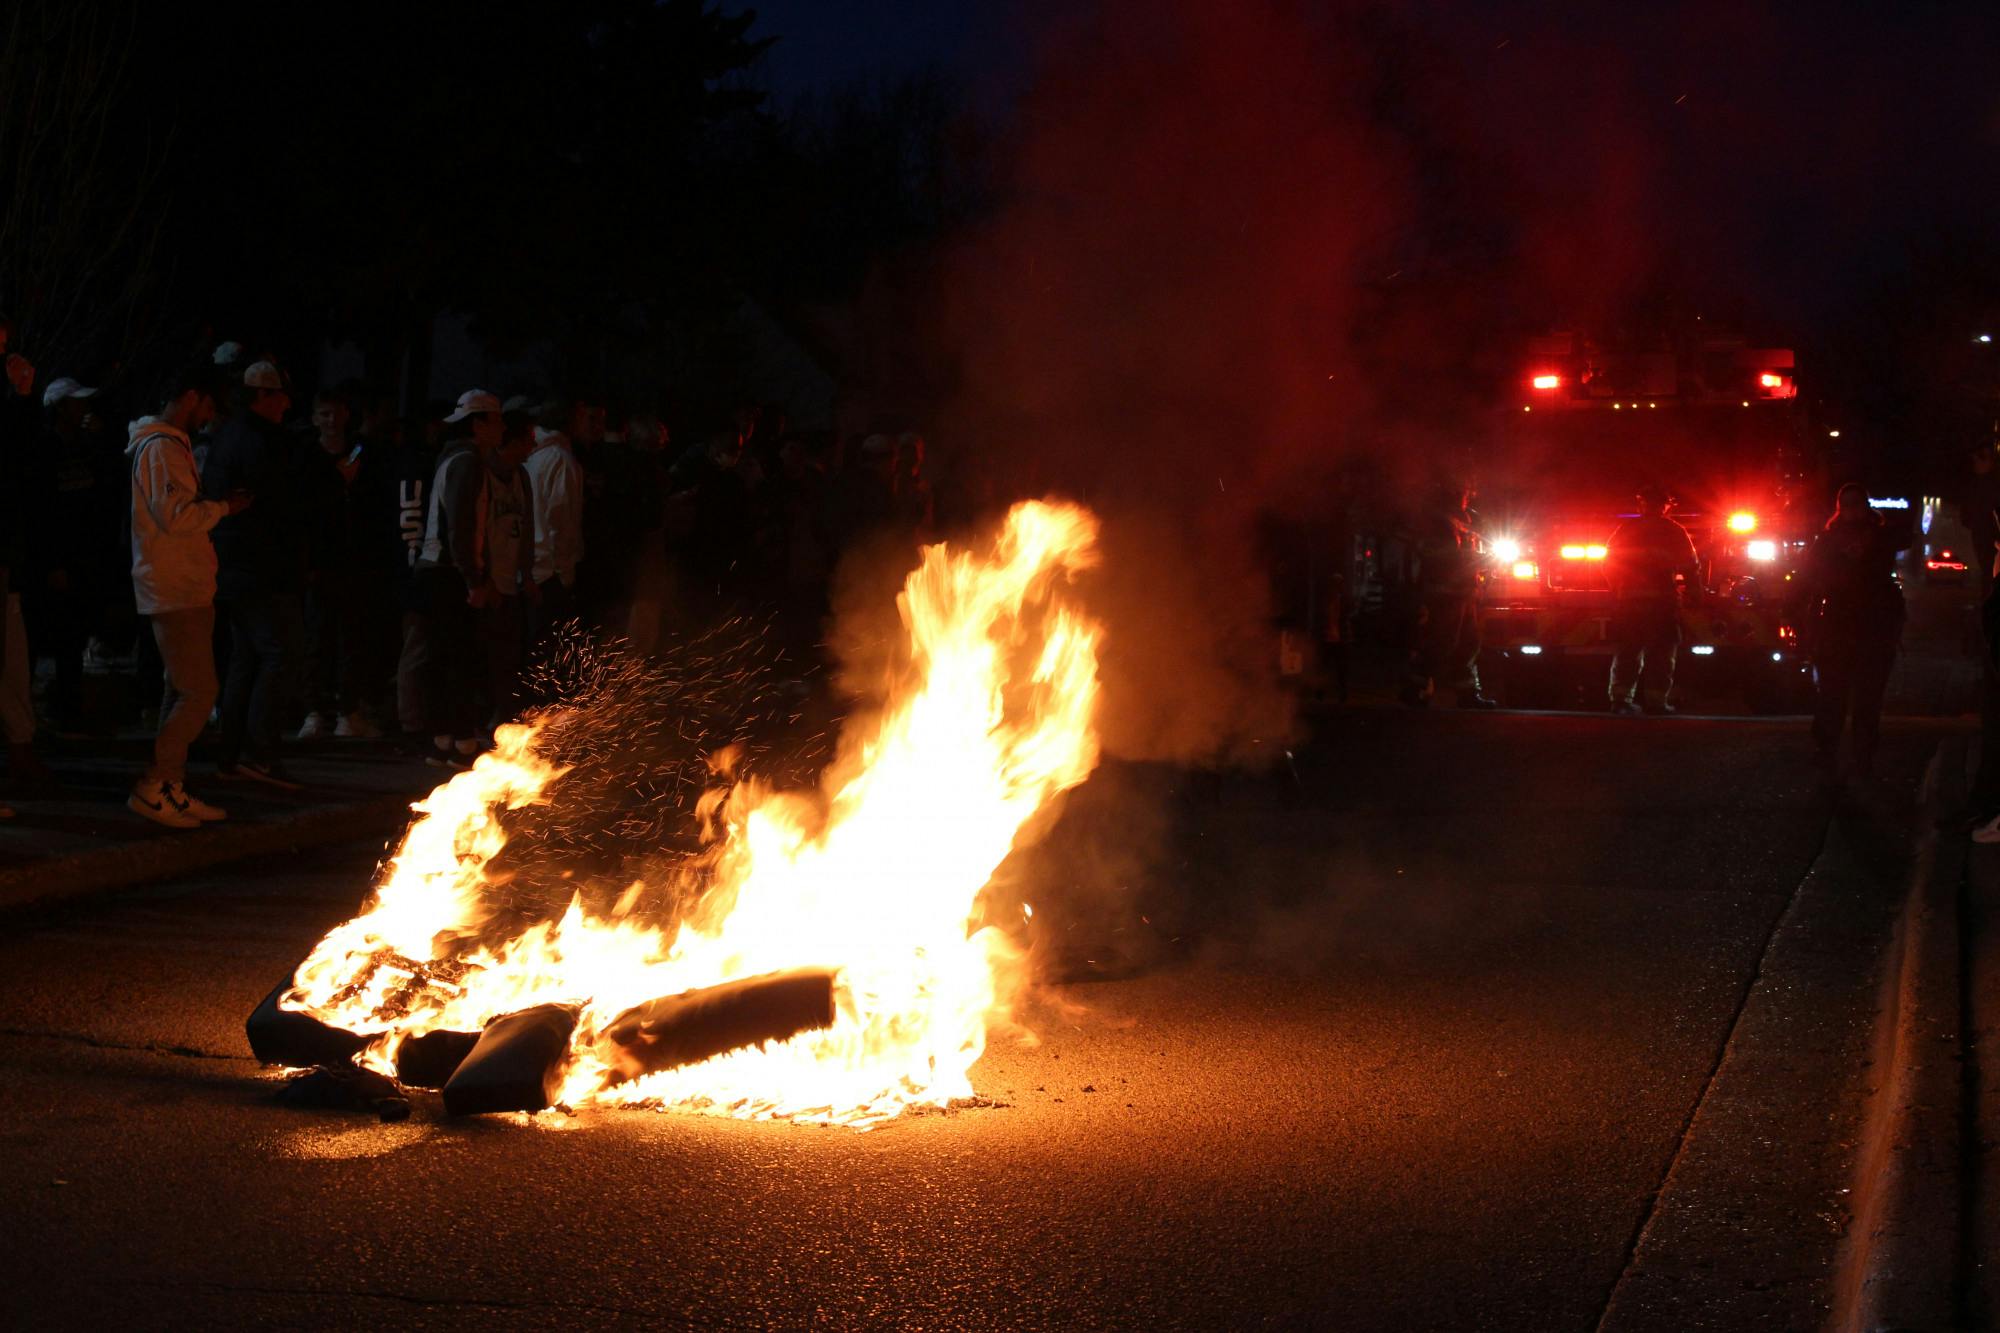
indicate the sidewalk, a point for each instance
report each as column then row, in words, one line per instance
column 85, row 839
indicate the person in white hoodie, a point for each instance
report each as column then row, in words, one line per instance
column 173, row 581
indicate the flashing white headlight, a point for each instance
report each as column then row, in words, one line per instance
column 1506, row 550
column 1703, row 650
column 1761, row 550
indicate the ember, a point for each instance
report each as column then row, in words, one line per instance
column 860, row 897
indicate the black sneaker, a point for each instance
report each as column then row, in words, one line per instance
column 252, row 770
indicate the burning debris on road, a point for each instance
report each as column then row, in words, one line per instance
column 818, row 959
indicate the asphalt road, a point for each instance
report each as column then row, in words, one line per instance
column 1432, row 1027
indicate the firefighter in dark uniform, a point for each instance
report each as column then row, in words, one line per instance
column 1446, row 650
column 1643, row 556
column 1854, row 621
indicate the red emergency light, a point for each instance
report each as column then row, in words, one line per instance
column 1770, row 379
column 1547, row 381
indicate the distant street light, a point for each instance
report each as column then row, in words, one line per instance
column 1984, row 338
column 1833, row 435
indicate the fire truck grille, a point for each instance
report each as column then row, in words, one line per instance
column 1579, row 576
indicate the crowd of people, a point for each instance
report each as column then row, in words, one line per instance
column 282, row 570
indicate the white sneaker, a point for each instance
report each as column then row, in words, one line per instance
column 150, row 799
column 1988, row 832
column 188, row 803
column 356, row 724
column 315, row 725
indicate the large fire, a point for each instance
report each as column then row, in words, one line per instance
column 877, row 874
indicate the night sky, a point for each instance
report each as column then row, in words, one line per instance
column 984, row 43
column 1304, row 219
column 1787, row 152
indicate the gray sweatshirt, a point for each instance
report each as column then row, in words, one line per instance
column 173, row 560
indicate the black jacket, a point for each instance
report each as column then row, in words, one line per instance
column 1645, row 553
column 343, row 513
column 1850, row 578
column 265, row 548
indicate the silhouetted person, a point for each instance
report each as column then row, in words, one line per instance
column 451, row 572
column 74, row 489
column 1642, row 557
column 349, row 627
column 1446, row 650
column 1854, row 620
column 261, row 575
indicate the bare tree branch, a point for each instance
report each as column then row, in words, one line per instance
column 81, row 223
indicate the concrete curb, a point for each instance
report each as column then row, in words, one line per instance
column 64, row 877
column 1902, row 1263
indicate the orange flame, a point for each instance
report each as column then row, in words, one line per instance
column 876, row 874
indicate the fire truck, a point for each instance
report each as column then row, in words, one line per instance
column 1587, row 422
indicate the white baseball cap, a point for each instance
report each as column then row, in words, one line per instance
column 263, row 375
column 471, row 403
column 228, row 354
column 65, row 388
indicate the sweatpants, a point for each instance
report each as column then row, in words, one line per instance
column 186, row 648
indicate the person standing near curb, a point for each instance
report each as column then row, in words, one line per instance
column 173, row 581
column 1643, row 555
column 1855, row 618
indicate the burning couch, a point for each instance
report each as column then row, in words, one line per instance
column 833, row 967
